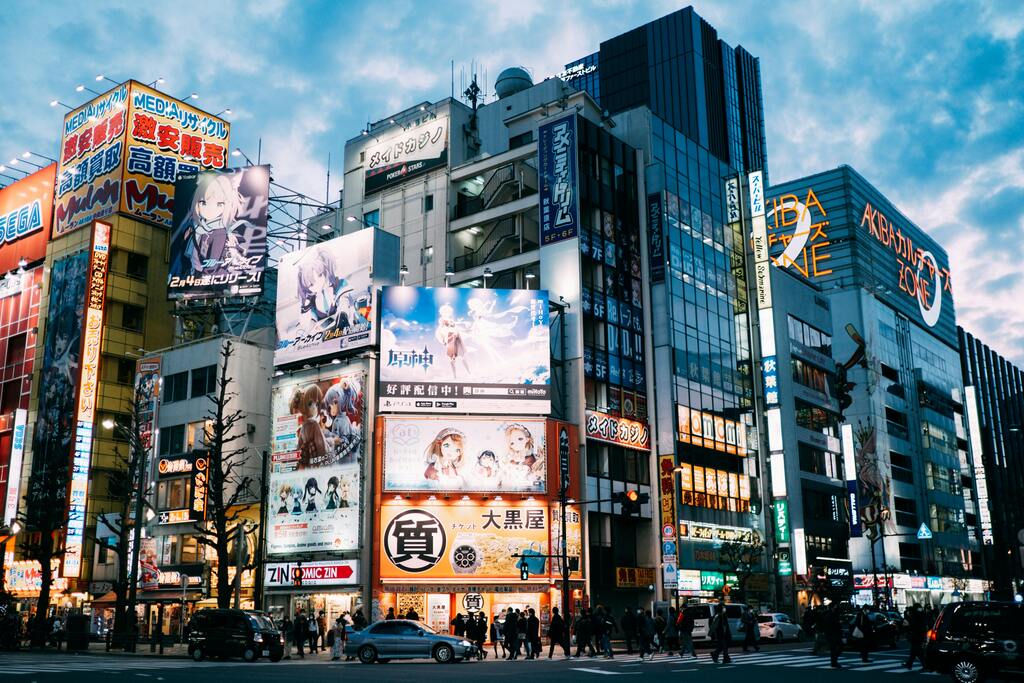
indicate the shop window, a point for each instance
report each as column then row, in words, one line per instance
column 204, row 381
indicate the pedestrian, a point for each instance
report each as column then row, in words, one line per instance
column 359, row 619
column 286, row 633
column 459, row 625
column 917, row 630
column 750, row 630
column 647, row 632
column 336, row 639
column 581, row 629
column 522, row 628
column 313, row 630
column 628, row 623
column 299, row 632
column 481, row 635
column 321, row 623
column 510, row 632
column 659, row 626
column 833, row 630
column 391, row 614
column 672, row 631
column 556, row 634
column 496, row 636
column 686, row 633
column 411, row 615
column 814, row 628
column 864, row 631
column 721, row 634
column 533, row 644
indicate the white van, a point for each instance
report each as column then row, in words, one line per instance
column 703, row 612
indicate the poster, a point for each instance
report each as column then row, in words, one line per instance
column 463, row 542
column 412, row 151
column 219, row 238
column 149, row 572
column 446, row 350
column 316, row 464
column 464, row 454
column 325, row 298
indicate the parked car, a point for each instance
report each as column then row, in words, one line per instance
column 234, row 633
column 383, row 641
column 703, row 612
column 886, row 633
column 778, row 627
column 972, row 641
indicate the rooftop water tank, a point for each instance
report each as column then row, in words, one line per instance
column 512, row 80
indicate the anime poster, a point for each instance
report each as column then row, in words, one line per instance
column 316, row 465
column 149, row 572
column 219, row 240
column 62, row 351
column 462, row 350
column 325, row 298
column 501, row 455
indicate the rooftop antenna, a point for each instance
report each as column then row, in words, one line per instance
column 327, row 195
column 453, row 79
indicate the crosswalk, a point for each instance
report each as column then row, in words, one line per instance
column 15, row 665
column 880, row 662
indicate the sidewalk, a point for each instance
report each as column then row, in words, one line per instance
column 174, row 650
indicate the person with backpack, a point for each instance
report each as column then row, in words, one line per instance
column 750, row 630
column 557, row 634
column 864, row 632
column 685, row 629
column 721, row 634
column 647, row 632
column 628, row 623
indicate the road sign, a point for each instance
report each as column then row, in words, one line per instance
column 924, row 533
column 668, row 531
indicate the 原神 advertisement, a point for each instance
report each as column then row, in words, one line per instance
column 325, row 298
column 506, row 455
column 219, row 242
column 446, row 350
column 316, row 466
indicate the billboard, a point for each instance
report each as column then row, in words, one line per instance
column 465, row 454
column 416, row 150
column 219, row 240
column 559, row 182
column 316, row 464
column 619, row 431
column 123, row 151
column 325, row 298
column 26, row 217
column 707, row 430
column 463, row 542
column 446, row 350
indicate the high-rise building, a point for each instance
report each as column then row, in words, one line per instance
column 994, row 399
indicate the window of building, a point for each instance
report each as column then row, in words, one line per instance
column 426, row 255
column 172, row 440
column 902, row 467
column 16, row 345
column 133, row 317
column 204, row 381
column 191, row 551
column 125, row 371
column 371, row 219
column 195, row 434
column 817, row 461
column 176, row 387
column 137, row 265
column 815, row 418
column 946, row 520
column 906, row 511
column 520, row 140
column 820, row 505
column 943, row 479
column 812, row 377
column 810, row 336
column 103, row 553
column 173, row 494
column 428, row 203
column 910, row 556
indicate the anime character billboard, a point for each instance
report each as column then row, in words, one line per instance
column 448, row 350
column 501, row 455
column 219, row 241
column 325, row 298
column 316, row 465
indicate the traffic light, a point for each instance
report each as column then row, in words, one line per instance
column 631, row 501
column 524, row 571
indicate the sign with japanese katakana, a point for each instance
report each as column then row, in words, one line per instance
column 406, row 153
column 464, row 542
column 465, row 454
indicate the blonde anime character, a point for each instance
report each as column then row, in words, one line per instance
column 444, row 456
column 284, row 496
column 523, row 461
column 209, row 232
column 449, row 336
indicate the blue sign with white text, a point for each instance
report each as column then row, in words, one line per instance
column 559, row 191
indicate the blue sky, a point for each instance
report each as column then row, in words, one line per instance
column 924, row 98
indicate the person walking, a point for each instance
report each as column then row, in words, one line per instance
column 359, row 619
column 321, row 625
column 917, row 630
column 628, row 624
column 496, row 634
column 601, row 631
column 866, row 630
column 672, row 631
column 686, row 633
column 833, row 630
column 523, row 641
column 391, row 614
column 511, row 632
column 286, row 633
column 581, row 629
column 336, row 639
column 533, row 645
column 299, row 632
column 556, row 634
column 459, row 626
column 721, row 634
column 312, row 629
column 750, row 630
column 814, row 627
column 647, row 631
column 481, row 634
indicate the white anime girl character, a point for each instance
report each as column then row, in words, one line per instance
column 488, row 329
column 449, row 336
column 523, row 462
column 341, row 406
column 209, row 234
column 326, row 298
column 444, row 458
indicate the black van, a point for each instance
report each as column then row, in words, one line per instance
column 972, row 641
column 234, row 633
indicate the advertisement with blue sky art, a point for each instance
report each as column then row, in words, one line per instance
column 460, row 350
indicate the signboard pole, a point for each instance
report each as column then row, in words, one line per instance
column 563, row 501
column 133, row 572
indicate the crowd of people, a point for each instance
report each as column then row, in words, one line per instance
column 826, row 625
column 312, row 632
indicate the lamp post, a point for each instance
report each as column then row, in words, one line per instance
column 7, row 533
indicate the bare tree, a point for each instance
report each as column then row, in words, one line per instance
column 743, row 559
column 229, row 488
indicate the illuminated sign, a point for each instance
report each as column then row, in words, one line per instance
column 26, row 215
column 781, row 521
column 634, row 577
column 666, row 479
column 577, row 71
column 712, row 581
column 407, row 153
column 732, row 200
column 147, row 394
column 797, row 225
column 715, row 489
column 175, row 516
column 85, row 416
column 327, row 573
column 170, row 466
column 980, row 478
column 24, row 578
column 711, row 431
column 14, row 468
column 689, row 580
column 619, row 431
column 559, row 192
column 200, row 486
column 717, row 533
column 770, row 380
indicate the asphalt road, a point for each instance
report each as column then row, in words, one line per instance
column 789, row 663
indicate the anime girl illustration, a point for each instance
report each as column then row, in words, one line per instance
column 444, row 457
column 345, row 493
column 341, row 402
column 307, row 403
column 449, row 336
column 210, row 230
column 488, row 471
column 296, row 501
column 284, row 494
column 326, row 298
column 331, row 498
column 488, row 329
column 310, row 493
column 525, row 464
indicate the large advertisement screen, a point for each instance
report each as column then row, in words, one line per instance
column 219, row 240
column 26, row 217
column 325, row 298
column 460, row 350
column 500, row 455
column 318, row 448
column 410, row 152
column 460, row 543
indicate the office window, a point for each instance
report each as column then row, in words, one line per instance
column 125, row 371
column 428, row 203
column 137, row 265
column 173, row 494
column 133, row 317
column 172, row 440
column 906, row 511
column 902, row 467
column 176, row 387
column 817, row 461
column 816, row 419
column 204, row 381
column 371, row 219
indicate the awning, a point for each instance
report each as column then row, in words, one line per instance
column 169, row 595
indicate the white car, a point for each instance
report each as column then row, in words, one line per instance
column 778, row 627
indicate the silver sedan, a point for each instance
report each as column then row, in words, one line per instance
column 383, row 641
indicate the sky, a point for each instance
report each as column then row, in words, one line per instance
column 924, row 98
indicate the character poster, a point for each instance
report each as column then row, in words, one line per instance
column 325, row 298
column 499, row 455
column 316, row 465
column 62, row 351
column 149, row 572
column 462, row 350
column 219, row 240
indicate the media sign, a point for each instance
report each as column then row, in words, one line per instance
column 407, row 153
column 619, row 431
column 559, row 182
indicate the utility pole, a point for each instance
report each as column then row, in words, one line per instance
column 262, row 537
column 133, row 574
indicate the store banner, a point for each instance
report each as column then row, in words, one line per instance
column 457, row 542
column 319, row 445
column 464, row 350
column 619, row 431
column 557, row 142
column 299, row 574
column 325, row 298
column 219, row 238
column 405, row 153
column 26, row 218
column 465, row 454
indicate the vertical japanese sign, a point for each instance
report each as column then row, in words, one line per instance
column 147, row 395
column 14, row 468
column 85, row 416
column 655, row 237
column 559, row 180
column 770, row 380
